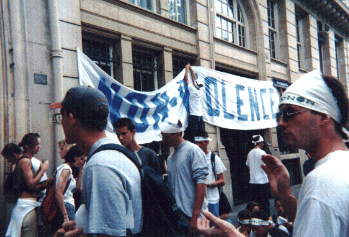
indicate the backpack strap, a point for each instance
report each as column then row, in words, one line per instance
column 117, row 147
column 213, row 163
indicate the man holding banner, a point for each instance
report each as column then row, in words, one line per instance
column 195, row 121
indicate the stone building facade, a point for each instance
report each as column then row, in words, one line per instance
column 145, row 43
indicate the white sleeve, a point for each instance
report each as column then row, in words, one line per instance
column 317, row 219
column 219, row 166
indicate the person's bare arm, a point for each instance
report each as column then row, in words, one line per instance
column 193, row 76
column 62, row 183
column 199, row 200
column 29, row 179
column 186, row 75
column 279, row 180
column 219, row 182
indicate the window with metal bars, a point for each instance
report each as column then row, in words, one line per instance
column 100, row 53
column 145, row 70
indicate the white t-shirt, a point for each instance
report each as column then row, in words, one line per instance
column 36, row 165
column 323, row 204
column 254, row 161
column 212, row 194
column 195, row 100
column 68, row 195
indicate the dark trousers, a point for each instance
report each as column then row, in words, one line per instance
column 260, row 193
column 195, row 125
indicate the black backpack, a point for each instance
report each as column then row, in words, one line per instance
column 160, row 212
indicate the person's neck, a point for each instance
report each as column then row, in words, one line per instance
column 88, row 138
column 133, row 147
column 178, row 142
column 326, row 146
column 206, row 151
column 28, row 154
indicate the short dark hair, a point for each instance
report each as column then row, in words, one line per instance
column 252, row 204
column 244, row 214
column 124, row 122
column 260, row 215
column 73, row 152
column 202, row 134
column 95, row 119
column 275, row 232
column 339, row 93
column 29, row 140
column 11, row 149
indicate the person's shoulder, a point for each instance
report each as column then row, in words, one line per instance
column 147, row 151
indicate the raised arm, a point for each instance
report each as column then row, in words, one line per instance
column 279, row 180
column 186, row 75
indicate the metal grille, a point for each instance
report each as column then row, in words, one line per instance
column 145, row 70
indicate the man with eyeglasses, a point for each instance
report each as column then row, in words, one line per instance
column 187, row 172
column 111, row 182
column 313, row 111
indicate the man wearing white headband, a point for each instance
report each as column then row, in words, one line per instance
column 215, row 176
column 187, row 172
column 313, row 111
column 259, row 183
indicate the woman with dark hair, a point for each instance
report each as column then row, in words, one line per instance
column 31, row 144
column 66, row 185
column 23, row 217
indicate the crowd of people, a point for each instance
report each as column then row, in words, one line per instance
column 102, row 190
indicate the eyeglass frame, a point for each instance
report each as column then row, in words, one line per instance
column 286, row 116
column 57, row 118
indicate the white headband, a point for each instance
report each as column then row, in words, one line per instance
column 245, row 221
column 259, row 222
column 170, row 127
column 202, row 139
column 311, row 92
column 259, row 140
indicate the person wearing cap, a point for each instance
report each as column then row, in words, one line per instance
column 195, row 119
column 111, row 182
column 187, row 173
column 125, row 130
column 215, row 178
column 259, row 183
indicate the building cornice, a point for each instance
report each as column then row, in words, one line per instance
column 333, row 12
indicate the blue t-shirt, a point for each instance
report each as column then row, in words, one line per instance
column 112, row 192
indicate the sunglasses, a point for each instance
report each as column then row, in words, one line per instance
column 286, row 114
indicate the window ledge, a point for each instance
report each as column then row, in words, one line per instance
column 234, row 45
column 278, row 61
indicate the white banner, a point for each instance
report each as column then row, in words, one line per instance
column 230, row 101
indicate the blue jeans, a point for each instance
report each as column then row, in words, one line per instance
column 70, row 210
column 214, row 208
